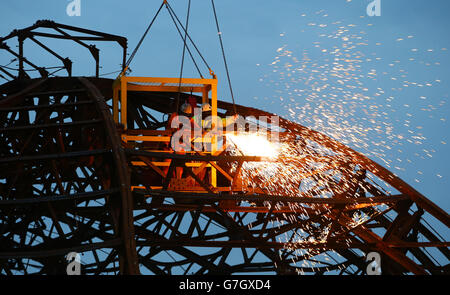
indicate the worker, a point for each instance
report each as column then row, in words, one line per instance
column 183, row 123
column 221, row 125
column 177, row 121
column 192, row 101
column 206, row 109
column 186, row 110
column 204, row 112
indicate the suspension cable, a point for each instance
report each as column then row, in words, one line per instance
column 176, row 20
column 182, row 58
column 174, row 17
column 189, row 51
column 189, row 37
column 143, row 37
column 219, row 33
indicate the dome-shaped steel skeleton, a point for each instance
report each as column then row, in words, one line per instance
column 73, row 180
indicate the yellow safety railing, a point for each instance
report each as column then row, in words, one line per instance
column 125, row 84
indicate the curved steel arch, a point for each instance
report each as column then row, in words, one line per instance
column 398, row 242
column 64, row 179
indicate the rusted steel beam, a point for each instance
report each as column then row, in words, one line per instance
column 53, row 125
column 431, row 237
column 188, row 208
column 204, row 185
column 63, row 92
column 169, row 174
column 330, row 245
column 152, row 166
column 149, row 132
column 58, row 198
column 54, row 156
column 251, row 244
column 418, row 244
column 17, row 97
column 272, row 198
column 129, row 262
column 372, row 238
column 190, row 157
column 39, row 252
column 82, row 38
column 107, row 37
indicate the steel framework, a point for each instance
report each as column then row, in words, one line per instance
column 70, row 183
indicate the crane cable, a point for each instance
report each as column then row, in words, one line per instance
column 182, row 58
column 175, row 17
column 219, row 33
column 142, row 38
column 172, row 16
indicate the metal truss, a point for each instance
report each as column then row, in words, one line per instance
column 61, row 32
column 68, row 183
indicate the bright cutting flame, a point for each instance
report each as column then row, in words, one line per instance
column 254, row 145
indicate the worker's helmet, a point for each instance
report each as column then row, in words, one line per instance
column 186, row 109
column 206, row 107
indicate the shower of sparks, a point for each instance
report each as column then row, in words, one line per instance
column 302, row 168
column 345, row 90
column 336, row 90
column 253, row 144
